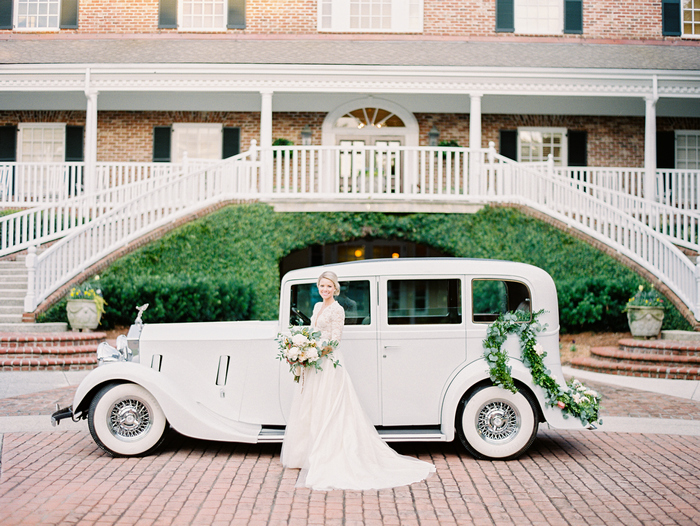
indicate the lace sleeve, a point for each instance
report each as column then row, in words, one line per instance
column 337, row 322
column 317, row 307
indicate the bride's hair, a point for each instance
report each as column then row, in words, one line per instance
column 331, row 276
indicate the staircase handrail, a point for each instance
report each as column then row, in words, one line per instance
column 604, row 222
column 51, row 221
column 147, row 211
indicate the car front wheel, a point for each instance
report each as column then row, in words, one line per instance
column 493, row 423
column 126, row 420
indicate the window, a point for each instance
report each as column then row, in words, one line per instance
column 691, row 18
column 37, row 15
column 201, row 15
column 535, row 144
column 424, row 301
column 198, row 141
column 354, row 298
column 491, row 298
column 688, row 150
column 540, row 17
column 41, row 143
column 368, row 16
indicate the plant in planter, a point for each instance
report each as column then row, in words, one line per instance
column 645, row 312
column 85, row 306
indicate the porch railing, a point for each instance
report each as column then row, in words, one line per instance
column 387, row 173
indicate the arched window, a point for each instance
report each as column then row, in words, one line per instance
column 369, row 117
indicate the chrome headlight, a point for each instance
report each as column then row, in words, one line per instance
column 106, row 353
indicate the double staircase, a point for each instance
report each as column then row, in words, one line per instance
column 664, row 358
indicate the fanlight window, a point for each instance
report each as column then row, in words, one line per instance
column 376, row 117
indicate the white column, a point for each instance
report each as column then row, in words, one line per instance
column 475, row 165
column 650, row 149
column 475, row 120
column 266, row 140
column 89, row 176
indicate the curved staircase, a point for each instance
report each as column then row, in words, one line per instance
column 670, row 359
column 65, row 351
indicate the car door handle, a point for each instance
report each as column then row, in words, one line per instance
column 390, row 347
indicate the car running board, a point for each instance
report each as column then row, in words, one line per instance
column 275, row 434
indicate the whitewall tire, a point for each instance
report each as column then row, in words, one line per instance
column 493, row 423
column 126, row 420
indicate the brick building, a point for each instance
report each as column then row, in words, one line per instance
column 604, row 83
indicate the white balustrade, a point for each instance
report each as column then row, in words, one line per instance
column 600, row 203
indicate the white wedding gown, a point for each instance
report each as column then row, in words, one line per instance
column 330, row 437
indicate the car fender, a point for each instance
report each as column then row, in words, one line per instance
column 186, row 416
column 478, row 371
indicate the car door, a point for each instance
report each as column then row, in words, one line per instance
column 421, row 343
column 358, row 297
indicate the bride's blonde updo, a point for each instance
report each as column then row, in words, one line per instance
column 330, row 276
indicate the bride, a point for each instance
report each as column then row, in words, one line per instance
column 328, row 434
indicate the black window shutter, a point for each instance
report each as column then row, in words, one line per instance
column 162, row 136
column 578, row 148
column 666, row 149
column 236, row 14
column 508, row 143
column 231, row 142
column 69, row 14
column 74, row 144
column 573, row 16
column 167, row 14
column 671, row 17
column 8, row 143
column 505, row 16
column 6, row 14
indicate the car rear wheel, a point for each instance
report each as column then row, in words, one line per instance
column 126, row 420
column 493, row 423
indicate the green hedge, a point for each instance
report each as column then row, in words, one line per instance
column 245, row 243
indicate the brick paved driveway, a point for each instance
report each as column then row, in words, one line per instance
column 567, row 477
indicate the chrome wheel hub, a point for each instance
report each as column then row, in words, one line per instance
column 129, row 419
column 498, row 422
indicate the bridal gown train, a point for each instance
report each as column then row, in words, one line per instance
column 330, row 437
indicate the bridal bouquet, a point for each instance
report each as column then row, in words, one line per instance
column 304, row 349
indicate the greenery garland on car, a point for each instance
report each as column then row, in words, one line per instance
column 577, row 399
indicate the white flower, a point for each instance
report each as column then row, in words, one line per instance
column 577, row 398
column 299, row 340
column 292, row 353
column 311, row 354
column 591, row 392
column 539, row 349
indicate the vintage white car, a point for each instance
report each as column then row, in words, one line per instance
column 413, row 346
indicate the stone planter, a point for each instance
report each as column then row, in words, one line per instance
column 82, row 314
column 645, row 321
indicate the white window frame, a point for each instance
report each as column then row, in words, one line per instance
column 334, row 17
column 181, row 17
column 563, row 158
column 687, row 5
column 524, row 9
column 176, row 154
column 687, row 133
column 59, row 153
column 16, row 16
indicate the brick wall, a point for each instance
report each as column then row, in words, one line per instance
column 127, row 136
column 607, row 19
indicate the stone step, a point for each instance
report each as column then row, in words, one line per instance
column 639, row 370
column 32, row 328
column 660, row 347
column 12, row 302
column 10, row 318
column 67, row 351
column 13, row 279
column 621, row 355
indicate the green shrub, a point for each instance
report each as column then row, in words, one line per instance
column 247, row 242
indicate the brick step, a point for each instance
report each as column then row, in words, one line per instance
column 72, row 363
column 616, row 354
column 639, row 370
column 661, row 347
column 55, row 339
column 80, row 351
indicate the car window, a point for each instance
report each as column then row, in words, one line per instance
column 354, row 298
column 424, row 301
column 492, row 297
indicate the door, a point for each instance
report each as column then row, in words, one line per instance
column 363, row 172
column 421, row 343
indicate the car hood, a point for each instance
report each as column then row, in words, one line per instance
column 210, row 331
